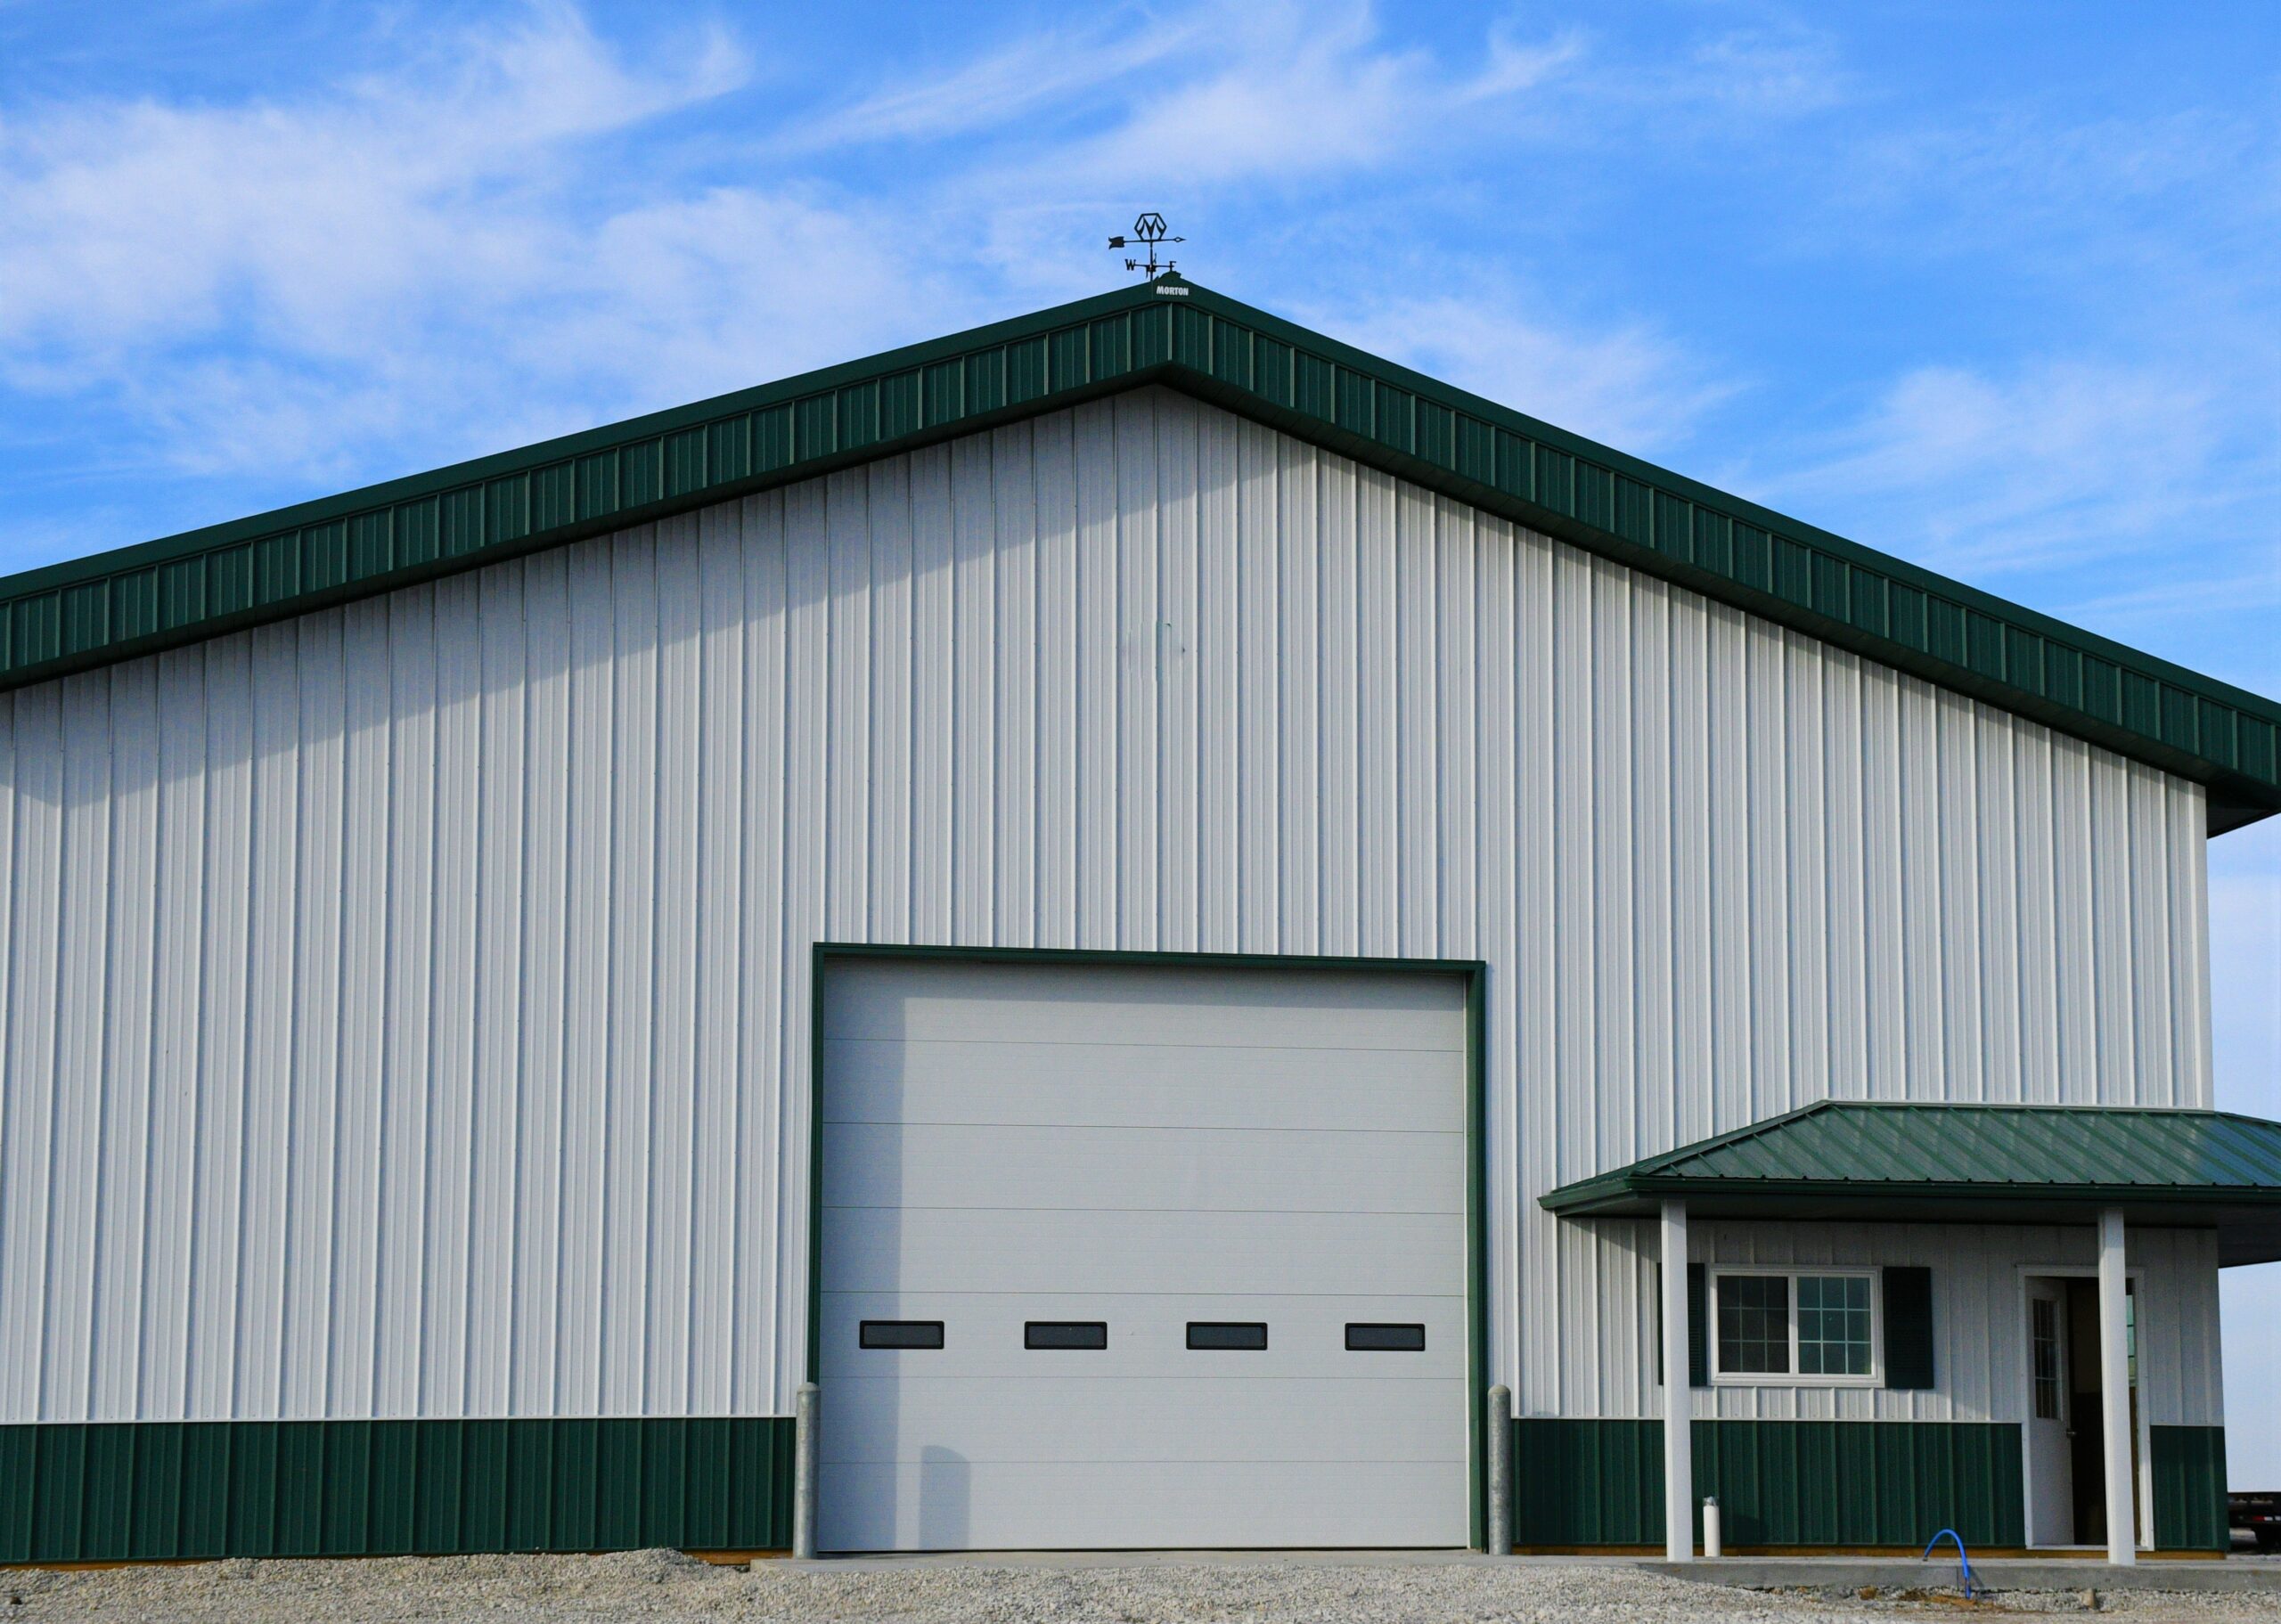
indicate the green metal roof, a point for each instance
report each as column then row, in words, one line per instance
column 160, row 594
column 1983, row 1163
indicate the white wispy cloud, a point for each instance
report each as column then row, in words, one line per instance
column 425, row 257
column 140, row 220
column 2114, row 463
column 2007, row 472
column 2130, row 496
column 1040, row 69
column 1297, row 92
column 1766, row 73
column 2154, row 612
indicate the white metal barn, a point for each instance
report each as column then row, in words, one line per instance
column 1159, row 906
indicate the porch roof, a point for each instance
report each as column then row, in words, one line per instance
column 1977, row 1163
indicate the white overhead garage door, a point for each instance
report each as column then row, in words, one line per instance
column 1122, row 1256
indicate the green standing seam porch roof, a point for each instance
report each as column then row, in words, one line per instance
column 160, row 594
column 1878, row 1160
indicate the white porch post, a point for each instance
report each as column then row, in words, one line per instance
column 2114, row 1394
column 1679, row 1407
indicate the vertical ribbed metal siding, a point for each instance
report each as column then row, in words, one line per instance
column 1779, row 1483
column 2191, row 1511
column 406, row 1003
column 1979, row 1317
column 163, row 1490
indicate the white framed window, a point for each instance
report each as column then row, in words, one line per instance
column 1795, row 1327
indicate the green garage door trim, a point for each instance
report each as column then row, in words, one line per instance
column 1600, row 1483
column 2190, row 1513
column 145, row 1491
column 163, row 593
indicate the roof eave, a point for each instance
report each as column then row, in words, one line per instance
column 1660, row 1187
column 2247, row 1220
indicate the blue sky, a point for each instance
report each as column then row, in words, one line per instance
column 1990, row 288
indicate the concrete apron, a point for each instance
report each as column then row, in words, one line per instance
column 1996, row 1573
column 1745, row 1572
column 875, row 1562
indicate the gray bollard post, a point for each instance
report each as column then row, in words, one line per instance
column 1500, row 1471
column 804, row 1471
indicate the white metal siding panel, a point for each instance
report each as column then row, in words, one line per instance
column 718, row 993
column 127, row 1147
column 317, row 936
column 1979, row 1315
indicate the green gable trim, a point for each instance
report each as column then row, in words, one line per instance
column 1838, row 1483
column 1969, row 1163
column 163, row 593
column 2190, row 1510
column 148, row 1491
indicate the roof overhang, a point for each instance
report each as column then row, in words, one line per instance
column 2163, row 1169
column 164, row 593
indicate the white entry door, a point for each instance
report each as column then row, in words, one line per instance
column 2051, row 1464
column 1142, row 1257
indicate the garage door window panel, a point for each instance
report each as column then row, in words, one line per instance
column 922, row 1333
column 1373, row 1338
column 1081, row 1335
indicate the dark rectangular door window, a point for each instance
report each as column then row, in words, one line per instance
column 1239, row 1336
column 1065, row 1334
column 901, row 1333
column 1384, row 1339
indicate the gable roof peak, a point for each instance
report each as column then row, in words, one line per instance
column 158, row 594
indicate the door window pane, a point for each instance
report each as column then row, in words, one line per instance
column 2045, row 1326
column 1833, row 1325
column 2130, row 1330
column 1754, row 1324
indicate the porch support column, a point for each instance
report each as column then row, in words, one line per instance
column 2114, row 1394
column 1679, row 1405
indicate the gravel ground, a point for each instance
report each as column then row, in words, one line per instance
column 669, row 1586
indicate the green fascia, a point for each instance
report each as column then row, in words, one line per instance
column 162, row 1491
column 1652, row 1189
column 160, row 594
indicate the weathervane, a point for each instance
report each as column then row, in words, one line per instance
column 1149, row 228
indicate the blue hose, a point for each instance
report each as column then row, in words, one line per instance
column 1972, row 1587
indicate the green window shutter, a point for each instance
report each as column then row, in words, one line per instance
column 1698, row 1366
column 1698, row 1327
column 1908, row 1327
